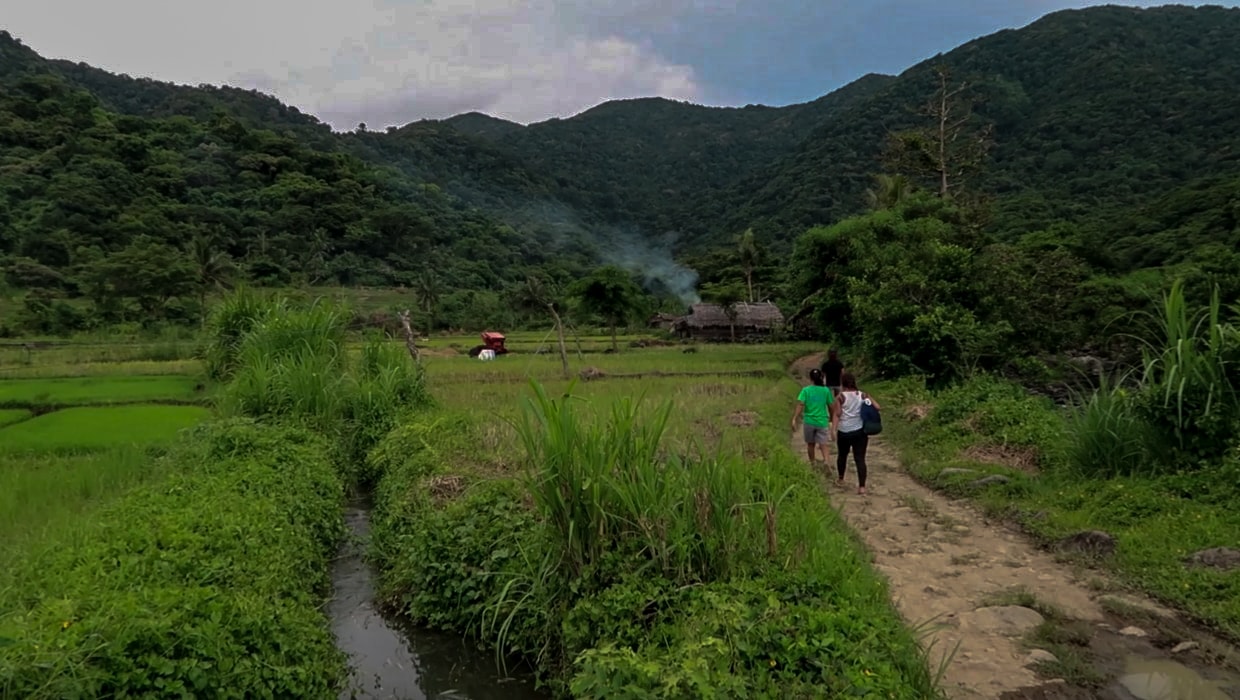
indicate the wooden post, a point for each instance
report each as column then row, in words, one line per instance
column 409, row 342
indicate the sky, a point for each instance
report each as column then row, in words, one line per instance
column 390, row 62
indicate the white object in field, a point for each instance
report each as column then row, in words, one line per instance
column 486, row 355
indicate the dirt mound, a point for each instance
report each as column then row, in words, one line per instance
column 445, row 487
column 743, row 419
column 591, row 373
column 1022, row 458
column 916, row 412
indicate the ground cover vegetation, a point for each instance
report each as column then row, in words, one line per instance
column 1150, row 458
column 156, row 569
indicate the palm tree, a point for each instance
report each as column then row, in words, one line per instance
column 539, row 295
column 426, row 287
column 212, row 268
column 888, row 191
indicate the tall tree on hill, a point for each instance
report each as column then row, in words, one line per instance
column 750, row 256
column 947, row 149
column 609, row 292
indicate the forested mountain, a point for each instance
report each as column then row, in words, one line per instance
column 143, row 214
column 638, row 161
column 1096, row 112
column 1116, row 137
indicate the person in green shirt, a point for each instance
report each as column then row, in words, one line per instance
column 816, row 405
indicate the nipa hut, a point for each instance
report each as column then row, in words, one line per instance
column 711, row 322
column 662, row 321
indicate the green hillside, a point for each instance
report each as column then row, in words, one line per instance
column 1097, row 113
column 1116, row 141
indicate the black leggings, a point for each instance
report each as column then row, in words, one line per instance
column 856, row 441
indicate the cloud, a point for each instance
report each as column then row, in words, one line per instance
column 381, row 62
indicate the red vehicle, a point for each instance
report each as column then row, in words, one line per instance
column 490, row 341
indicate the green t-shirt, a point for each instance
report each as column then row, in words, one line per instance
column 816, row 399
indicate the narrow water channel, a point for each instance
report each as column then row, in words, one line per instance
column 394, row 663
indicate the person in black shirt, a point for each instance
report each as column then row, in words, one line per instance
column 832, row 370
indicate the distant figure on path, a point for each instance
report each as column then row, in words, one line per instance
column 818, row 406
column 851, row 436
column 832, row 370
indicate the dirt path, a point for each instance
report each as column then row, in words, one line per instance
column 945, row 563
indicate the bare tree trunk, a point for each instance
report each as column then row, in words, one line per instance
column 943, row 118
column 409, row 342
column 614, row 346
column 749, row 283
column 559, row 329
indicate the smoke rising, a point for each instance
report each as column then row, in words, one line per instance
column 649, row 257
column 653, row 261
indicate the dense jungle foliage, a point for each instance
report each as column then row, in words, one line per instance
column 1112, row 167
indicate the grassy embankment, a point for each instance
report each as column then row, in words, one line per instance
column 198, row 568
column 1153, row 461
column 671, row 548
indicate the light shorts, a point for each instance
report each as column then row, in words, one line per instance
column 815, row 435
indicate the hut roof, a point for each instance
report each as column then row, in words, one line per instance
column 762, row 315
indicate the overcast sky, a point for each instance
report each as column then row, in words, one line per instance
column 386, row 62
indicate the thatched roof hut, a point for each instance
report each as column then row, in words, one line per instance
column 663, row 321
column 710, row 321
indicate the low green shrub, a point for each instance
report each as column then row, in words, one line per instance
column 782, row 636
column 207, row 583
column 992, row 411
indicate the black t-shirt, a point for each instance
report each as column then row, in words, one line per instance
column 831, row 370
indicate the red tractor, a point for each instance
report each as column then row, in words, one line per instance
column 490, row 341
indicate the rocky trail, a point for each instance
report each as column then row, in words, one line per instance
column 975, row 585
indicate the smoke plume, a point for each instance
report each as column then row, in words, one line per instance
column 648, row 257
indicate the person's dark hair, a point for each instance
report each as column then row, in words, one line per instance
column 848, row 381
column 832, row 353
column 816, row 378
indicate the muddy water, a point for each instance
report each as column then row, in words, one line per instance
column 391, row 662
column 1163, row 679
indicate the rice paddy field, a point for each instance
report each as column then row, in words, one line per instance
column 84, row 427
column 79, row 424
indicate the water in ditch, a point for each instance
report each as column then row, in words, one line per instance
column 392, row 662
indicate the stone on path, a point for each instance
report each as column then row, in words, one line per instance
column 990, row 480
column 1004, row 620
column 1093, row 542
column 1133, row 632
column 1183, row 647
column 1224, row 558
column 1040, row 656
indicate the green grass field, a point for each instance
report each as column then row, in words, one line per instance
column 9, row 416
column 77, row 391
column 42, row 493
column 85, row 428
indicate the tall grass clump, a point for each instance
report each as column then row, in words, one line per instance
column 606, row 485
column 1107, row 435
column 1192, row 383
column 291, row 362
column 228, row 325
column 384, row 384
column 1184, row 410
column 287, row 361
